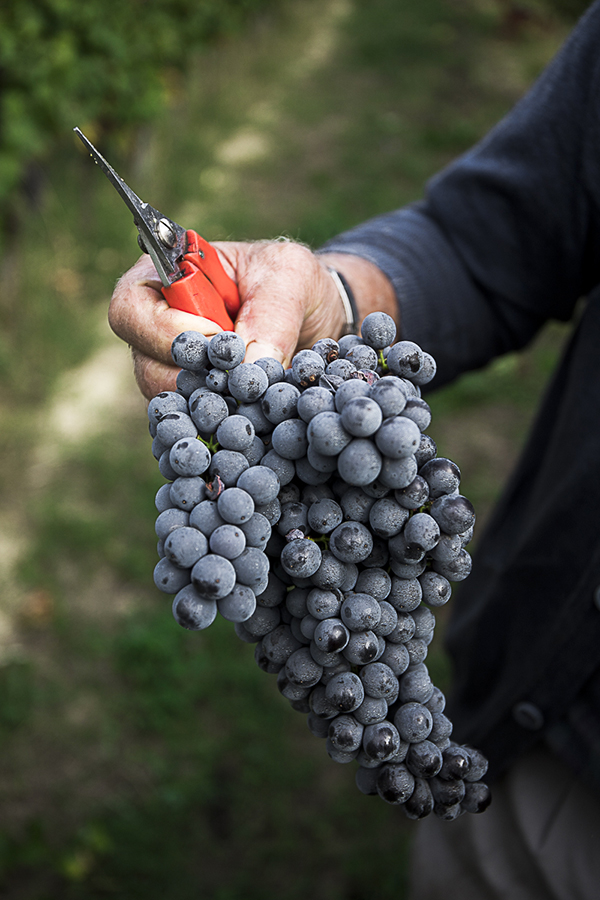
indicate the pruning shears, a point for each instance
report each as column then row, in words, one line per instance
column 191, row 272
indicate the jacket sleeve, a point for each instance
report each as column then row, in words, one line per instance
column 508, row 236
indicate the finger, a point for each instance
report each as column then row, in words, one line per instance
column 279, row 283
column 152, row 376
column 140, row 315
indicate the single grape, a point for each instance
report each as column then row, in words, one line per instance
column 375, row 582
column 359, row 463
column 362, row 648
column 426, row 451
column 379, row 681
column 350, row 542
column 419, row 412
column 415, row 685
column 327, row 434
column 456, row 569
column 289, row 439
column 307, row 367
column 360, row 612
column 398, row 473
column 254, row 413
column 477, row 797
column 442, row 726
column 257, row 531
column 228, row 465
column 405, row 359
column 235, row 433
column 187, row 492
column 185, row 546
column 247, row 382
column 189, row 457
column 193, row 611
column 453, row 513
column 168, row 520
column 207, row 411
column 235, row 506
column 213, row 576
column 345, row 691
column 396, row 657
column 446, row 792
column 170, row 578
column 413, row 721
column 395, row 784
column 366, row 780
column 162, row 500
column 345, row 733
column 436, row 589
column 228, row 541
column 442, row 476
column 422, row 532
column 341, row 368
column 378, row 330
column 371, row 711
column 188, row 382
column 301, row 668
column 387, row 517
column 404, row 630
column 261, row 483
column 283, row 468
column 251, row 568
column 205, row 517
column 420, row 803
column 301, row 558
column 216, row 380
column 226, row 350
column 331, row 635
column 327, row 348
column 280, row 402
column 424, row 759
column 414, row 495
column 279, row 644
column 356, row 504
column 239, row 605
column 427, row 371
column 174, row 426
column 164, row 403
column 362, row 356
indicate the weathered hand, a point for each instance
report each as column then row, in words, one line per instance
column 289, row 300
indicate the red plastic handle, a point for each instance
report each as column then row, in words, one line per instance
column 205, row 288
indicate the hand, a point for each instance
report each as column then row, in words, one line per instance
column 289, row 300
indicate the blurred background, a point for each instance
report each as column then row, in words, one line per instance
column 139, row 760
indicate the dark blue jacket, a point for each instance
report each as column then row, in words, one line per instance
column 507, row 238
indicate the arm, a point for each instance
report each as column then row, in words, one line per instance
column 509, row 235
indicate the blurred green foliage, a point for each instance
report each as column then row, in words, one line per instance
column 104, row 63
column 140, row 760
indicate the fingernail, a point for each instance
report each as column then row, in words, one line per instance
column 257, row 350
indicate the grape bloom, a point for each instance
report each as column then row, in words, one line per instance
column 310, row 508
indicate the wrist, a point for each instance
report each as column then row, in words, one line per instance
column 346, row 294
column 370, row 289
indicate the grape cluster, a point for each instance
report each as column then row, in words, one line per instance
column 309, row 507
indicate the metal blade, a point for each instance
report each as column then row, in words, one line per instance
column 164, row 240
